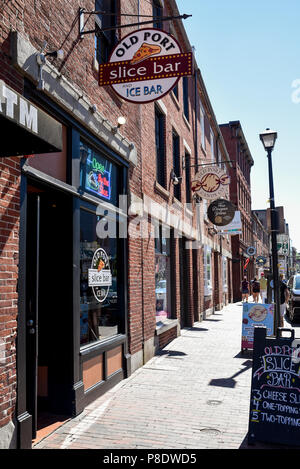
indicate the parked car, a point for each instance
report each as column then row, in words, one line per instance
column 293, row 306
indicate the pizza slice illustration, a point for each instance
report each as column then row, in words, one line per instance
column 144, row 52
column 101, row 265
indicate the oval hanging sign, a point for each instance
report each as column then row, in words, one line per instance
column 251, row 251
column 261, row 260
column 211, row 182
column 99, row 275
column 145, row 66
column 220, row 212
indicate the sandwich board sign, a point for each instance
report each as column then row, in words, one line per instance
column 256, row 314
column 274, row 415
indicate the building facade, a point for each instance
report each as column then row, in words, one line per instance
column 240, row 195
column 106, row 252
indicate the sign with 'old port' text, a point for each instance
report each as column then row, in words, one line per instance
column 145, row 66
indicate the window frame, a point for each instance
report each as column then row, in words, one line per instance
column 164, row 232
column 107, row 39
column 157, row 12
column 176, row 162
column 160, row 147
column 188, row 195
column 202, row 127
column 225, row 273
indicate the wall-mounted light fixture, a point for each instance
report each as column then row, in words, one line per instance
column 121, row 121
column 41, row 60
column 175, row 179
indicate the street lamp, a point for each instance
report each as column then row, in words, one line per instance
column 268, row 139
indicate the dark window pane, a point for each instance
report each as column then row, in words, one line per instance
column 187, row 178
column 105, row 40
column 160, row 147
column 157, row 14
column 176, row 164
column 185, row 84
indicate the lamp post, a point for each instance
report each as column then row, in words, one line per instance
column 268, row 139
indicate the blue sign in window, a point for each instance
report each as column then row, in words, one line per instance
column 98, row 175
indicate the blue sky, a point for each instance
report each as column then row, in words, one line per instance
column 249, row 57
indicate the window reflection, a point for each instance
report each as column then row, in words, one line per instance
column 99, row 300
column 162, row 275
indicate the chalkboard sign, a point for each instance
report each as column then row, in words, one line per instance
column 275, row 389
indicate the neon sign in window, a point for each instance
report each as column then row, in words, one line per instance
column 99, row 173
column 98, row 179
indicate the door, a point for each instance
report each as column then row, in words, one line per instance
column 49, row 307
column 32, row 303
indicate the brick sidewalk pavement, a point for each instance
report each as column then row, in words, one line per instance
column 194, row 395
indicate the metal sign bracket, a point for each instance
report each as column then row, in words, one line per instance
column 83, row 12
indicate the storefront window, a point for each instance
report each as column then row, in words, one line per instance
column 162, row 274
column 224, row 274
column 100, row 311
column 207, row 270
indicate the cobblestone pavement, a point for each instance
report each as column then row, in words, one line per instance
column 194, row 395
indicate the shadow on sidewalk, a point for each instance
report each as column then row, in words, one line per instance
column 230, row 382
column 170, row 353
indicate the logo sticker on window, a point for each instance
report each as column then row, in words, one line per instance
column 99, row 275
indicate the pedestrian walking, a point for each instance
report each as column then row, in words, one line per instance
column 245, row 289
column 255, row 290
column 284, row 298
column 263, row 287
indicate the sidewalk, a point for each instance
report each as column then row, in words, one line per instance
column 194, row 395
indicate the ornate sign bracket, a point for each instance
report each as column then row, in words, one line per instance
column 82, row 12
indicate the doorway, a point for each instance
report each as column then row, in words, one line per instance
column 49, row 306
column 184, row 283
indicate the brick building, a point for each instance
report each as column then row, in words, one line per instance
column 261, row 243
column 69, row 333
column 240, row 195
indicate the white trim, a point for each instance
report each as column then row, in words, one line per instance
column 162, row 107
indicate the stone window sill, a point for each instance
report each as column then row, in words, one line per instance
column 165, row 325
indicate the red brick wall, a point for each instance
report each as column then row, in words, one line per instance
column 9, row 250
column 10, row 18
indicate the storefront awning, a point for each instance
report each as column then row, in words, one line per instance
column 25, row 129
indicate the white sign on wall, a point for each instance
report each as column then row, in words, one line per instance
column 234, row 227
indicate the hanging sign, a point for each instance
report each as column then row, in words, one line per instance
column 211, row 182
column 283, row 244
column 251, row 251
column 145, row 66
column 99, row 275
column 261, row 260
column 275, row 388
column 234, row 227
column 221, row 212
